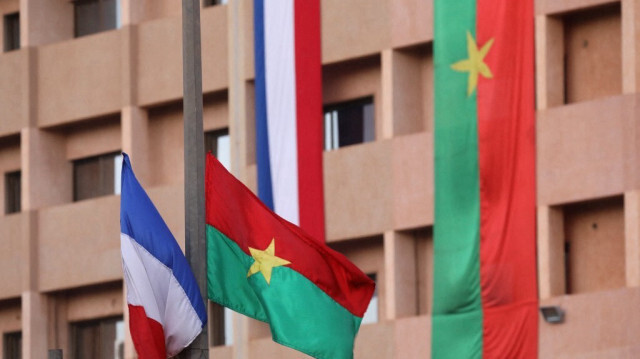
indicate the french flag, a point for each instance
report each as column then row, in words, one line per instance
column 289, row 136
column 166, row 310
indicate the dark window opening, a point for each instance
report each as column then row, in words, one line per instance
column 11, row 32
column 99, row 339
column 93, row 16
column 349, row 123
column 214, row 2
column 12, row 195
column 567, row 267
column 217, row 324
column 12, row 345
column 217, row 142
column 96, row 176
column 371, row 314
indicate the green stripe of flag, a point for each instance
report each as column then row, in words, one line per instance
column 457, row 310
column 300, row 315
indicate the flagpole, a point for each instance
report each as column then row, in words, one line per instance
column 195, row 245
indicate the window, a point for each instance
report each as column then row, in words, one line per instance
column 99, row 339
column 214, row 2
column 349, row 123
column 221, row 329
column 11, row 32
column 12, row 192
column 12, row 345
column 96, row 176
column 371, row 315
column 92, row 16
column 218, row 143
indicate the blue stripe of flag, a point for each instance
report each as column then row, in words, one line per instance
column 265, row 189
column 140, row 220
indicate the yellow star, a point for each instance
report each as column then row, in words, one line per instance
column 475, row 63
column 265, row 261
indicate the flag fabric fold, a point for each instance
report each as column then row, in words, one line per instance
column 289, row 130
column 262, row 266
column 166, row 310
column 485, row 289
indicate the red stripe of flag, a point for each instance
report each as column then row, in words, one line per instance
column 506, row 130
column 309, row 116
column 147, row 334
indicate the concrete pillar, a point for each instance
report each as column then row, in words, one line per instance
column 44, row 22
column 630, row 46
column 45, row 166
column 407, row 96
column 135, row 140
column 34, row 325
column 632, row 237
column 240, row 336
column 238, row 14
column 132, row 12
column 550, row 62
column 387, row 76
column 401, row 297
column 551, row 271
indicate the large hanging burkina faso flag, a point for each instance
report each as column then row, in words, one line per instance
column 485, row 290
column 262, row 266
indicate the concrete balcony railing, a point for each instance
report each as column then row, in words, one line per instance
column 378, row 186
column 13, row 70
column 597, row 325
column 12, row 242
column 159, row 56
column 79, row 243
column 80, row 78
column 586, row 150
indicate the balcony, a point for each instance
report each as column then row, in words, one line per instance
column 80, row 78
column 12, row 240
column 13, row 71
column 79, row 243
column 585, row 150
column 378, row 186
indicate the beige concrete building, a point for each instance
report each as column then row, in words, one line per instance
column 82, row 80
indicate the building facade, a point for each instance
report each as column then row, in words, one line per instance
column 82, row 80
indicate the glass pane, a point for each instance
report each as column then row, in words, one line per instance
column 92, row 16
column 95, row 176
column 100, row 339
column 218, row 143
column 12, row 192
column 371, row 315
column 13, row 345
column 349, row 123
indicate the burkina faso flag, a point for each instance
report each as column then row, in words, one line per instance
column 485, row 290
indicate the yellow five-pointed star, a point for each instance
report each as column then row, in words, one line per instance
column 265, row 261
column 475, row 63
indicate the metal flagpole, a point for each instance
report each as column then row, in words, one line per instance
column 195, row 245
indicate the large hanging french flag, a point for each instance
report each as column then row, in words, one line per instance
column 166, row 310
column 289, row 111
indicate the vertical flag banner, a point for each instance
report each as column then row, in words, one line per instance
column 485, row 290
column 289, row 110
column 262, row 266
column 166, row 310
